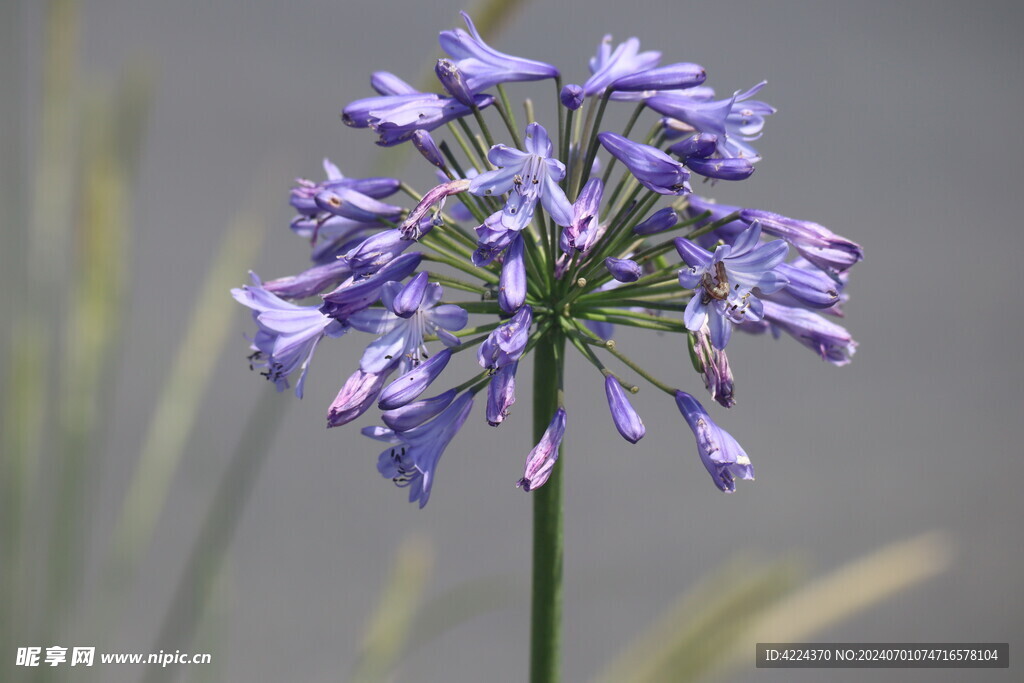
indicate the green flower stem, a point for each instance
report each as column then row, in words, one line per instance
column 509, row 116
column 713, row 226
column 646, row 285
column 560, row 114
column 439, row 242
column 478, row 144
column 455, row 283
column 672, row 305
column 563, row 145
column 466, row 149
column 475, row 379
column 488, row 307
column 622, row 317
column 625, row 313
column 610, row 346
column 469, row 269
column 546, row 610
column 483, row 125
column 576, row 171
column 534, row 264
column 580, row 342
column 593, row 144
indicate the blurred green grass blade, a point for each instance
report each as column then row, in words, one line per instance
column 683, row 643
column 41, row 242
column 192, row 594
column 389, row 628
column 462, row 602
column 852, row 588
column 179, row 402
column 12, row 278
column 111, row 136
column 213, row 629
column 701, row 637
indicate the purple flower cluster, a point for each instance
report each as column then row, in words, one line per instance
column 535, row 240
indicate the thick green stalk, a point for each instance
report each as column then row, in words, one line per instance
column 546, row 611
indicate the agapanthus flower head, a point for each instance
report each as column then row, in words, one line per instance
column 530, row 246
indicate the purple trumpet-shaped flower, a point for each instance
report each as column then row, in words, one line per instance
column 501, row 393
column 492, row 239
column 623, row 269
column 829, row 340
column 427, row 148
column 571, row 96
column 700, row 145
column 357, row 294
column 412, row 460
column 734, row 122
column 626, row 419
column 453, row 81
column 482, row 66
column 828, row 251
column 544, row 455
column 303, row 195
column 411, row 226
column 287, row 335
column 396, row 117
column 528, row 177
column 671, row 77
column 713, row 366
column 654, row 169
column 332, row 236
column 659, row 221
column 311, row 281
column 697, row 152
column 583, row 230
column 416, row 413
column 512, row 282
column 816, row 243
column 409, row 386
column 354, row 205
column 723, row 457
column 386, row 83
column 723, row 282
column 808, row 287
column 608, row 66
column 359, row 392
column 505, row 345
column 409, row 313
column 376, row 251
column 721, row 169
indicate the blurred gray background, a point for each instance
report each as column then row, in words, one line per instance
column 898, row 126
